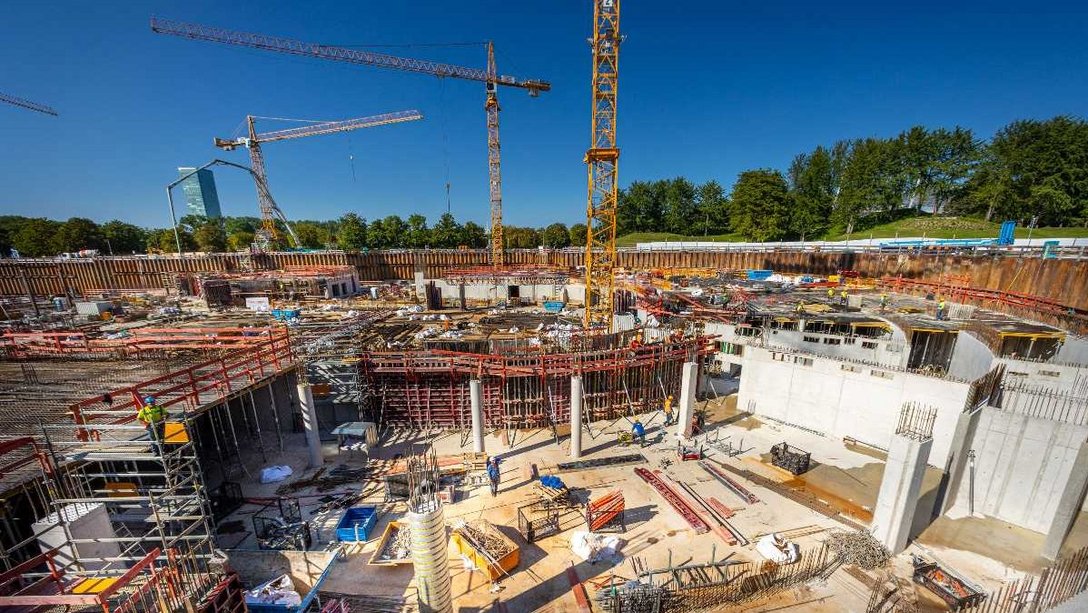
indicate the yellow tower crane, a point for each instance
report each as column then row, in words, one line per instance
column 489, row 76
column 270, row 212
column 603, row 160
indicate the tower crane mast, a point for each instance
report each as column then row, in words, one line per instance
column 603, row 161
column 270, row 212
column 489, row 76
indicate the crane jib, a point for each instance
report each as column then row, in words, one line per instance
column 341, row 54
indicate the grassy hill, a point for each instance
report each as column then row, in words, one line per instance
column 930, row 227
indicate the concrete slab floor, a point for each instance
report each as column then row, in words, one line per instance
column 654, row 529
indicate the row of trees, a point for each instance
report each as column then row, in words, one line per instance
column 35, row 236
column 1030, row 170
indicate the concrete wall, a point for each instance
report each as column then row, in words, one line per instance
column 496, row 293
column 845, row 399
column 1073, row 351
column 971, row 358
column 1060, row 378
column 1022, row 465
column 886, row 351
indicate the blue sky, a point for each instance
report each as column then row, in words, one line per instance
column 707, row 89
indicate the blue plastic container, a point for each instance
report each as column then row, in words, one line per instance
column 759, row 275
column 356, row 524
column 554, row 306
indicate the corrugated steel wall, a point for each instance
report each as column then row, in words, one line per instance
column 1062, row 280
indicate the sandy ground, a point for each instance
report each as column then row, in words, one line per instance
column 846, row 477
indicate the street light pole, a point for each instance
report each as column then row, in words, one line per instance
column 173, row 217
column 170, row 194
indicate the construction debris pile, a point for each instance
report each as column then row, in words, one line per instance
column 858, row 548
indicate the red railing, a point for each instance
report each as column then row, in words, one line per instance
column 1015, row 301
column 54, row 344
column 190, row 388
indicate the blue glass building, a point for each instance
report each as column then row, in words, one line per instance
column 200, row 195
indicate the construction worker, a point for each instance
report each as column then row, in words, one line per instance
column 830, row 293
column 942, row 310
column 640, row 433
column 153, row 417
column 493, row 475
column 801, row 306
column 668, row 410
column 883, row 301
column 842, row 297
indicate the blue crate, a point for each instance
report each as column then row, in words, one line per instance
column 554, row 306
column 759, row 275
column 286, row 314
column 356, row 524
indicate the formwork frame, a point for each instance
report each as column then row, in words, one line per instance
column 429, row 389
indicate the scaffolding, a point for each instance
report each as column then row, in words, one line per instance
column 123, row 516
column 130, row 528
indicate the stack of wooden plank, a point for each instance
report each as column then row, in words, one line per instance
column 606, row 513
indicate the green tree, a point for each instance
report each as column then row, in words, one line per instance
column 418, row 235
column 387, row 233
column 712, row 215
column 210, row 236
column 640, row 207
column 556, row 236
column 76, row 234
column 1033, row 169
column 872, row 181
column 578, row 235
column 162, row 240
column 760, row 203
column 352, row 233
column 123, row 237
column 244, row 224
column 812, row 193
column 240, row 240
column 447, row 233
column 311, row 234
column 475, row 235
column 679, row 206
column 34, row 238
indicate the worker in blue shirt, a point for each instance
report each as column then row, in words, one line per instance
column 493, row 475
column 640, row 432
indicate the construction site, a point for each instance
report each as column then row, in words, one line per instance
column 857, row 429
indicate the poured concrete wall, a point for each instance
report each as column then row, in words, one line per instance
column 1060, row 378
column 845, row 399
column 971, row 358
column 886, row 351
column 1073, row 351
column 1022, row 465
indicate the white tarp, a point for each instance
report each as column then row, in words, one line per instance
column 778, row 549
column 595, row 547
column 272, row 474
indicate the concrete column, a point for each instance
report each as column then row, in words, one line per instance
column 962, row 440
column 575, row 417
column 898, row 498
column 686, row 411
column 476, row 397
column 1068, row 506
column 309, row 423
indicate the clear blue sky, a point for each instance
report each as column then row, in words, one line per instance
column 707, row 89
